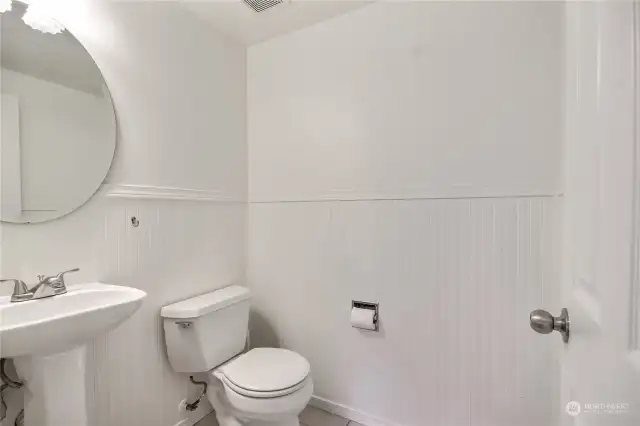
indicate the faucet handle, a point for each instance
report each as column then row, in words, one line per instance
column 61, row 274
column 19, row 287
column 58, row 280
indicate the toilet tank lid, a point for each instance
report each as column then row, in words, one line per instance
column 206, row 303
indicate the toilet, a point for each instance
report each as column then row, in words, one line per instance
column 262, row 387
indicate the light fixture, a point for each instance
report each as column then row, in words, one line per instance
column 5, row 5
column 38, row 18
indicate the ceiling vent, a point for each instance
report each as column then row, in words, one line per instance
column 262, row 5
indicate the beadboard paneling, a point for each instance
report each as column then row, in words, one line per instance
column 455, row 279
column 179, row 250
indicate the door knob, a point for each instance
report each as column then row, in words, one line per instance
column 544, row 323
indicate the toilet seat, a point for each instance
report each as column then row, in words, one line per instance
column 262, row 394
column 265, row 373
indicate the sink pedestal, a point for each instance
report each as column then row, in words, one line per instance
column 54, row 391
column 55, row 383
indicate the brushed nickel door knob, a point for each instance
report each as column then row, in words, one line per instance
column 544, row 323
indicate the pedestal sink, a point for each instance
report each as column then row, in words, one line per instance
column 47, row 339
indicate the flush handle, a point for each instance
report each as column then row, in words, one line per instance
column 184, row 324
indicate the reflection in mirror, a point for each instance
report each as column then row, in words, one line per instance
column 58, row 124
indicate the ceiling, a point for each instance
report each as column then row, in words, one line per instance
column 239, row 22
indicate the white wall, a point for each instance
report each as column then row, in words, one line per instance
column 58, row 126
column 410, row 154
column 179, row 92
column 428, row 106
column 405, row 100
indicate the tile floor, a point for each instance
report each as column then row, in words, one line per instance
column 309, row 417
column 314, row 417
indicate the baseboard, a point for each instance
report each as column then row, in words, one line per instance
column 348, row 412
column 325, row 405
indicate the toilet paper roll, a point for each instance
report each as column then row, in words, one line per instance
column 363, row 318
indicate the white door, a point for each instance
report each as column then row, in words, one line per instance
column 601, row 362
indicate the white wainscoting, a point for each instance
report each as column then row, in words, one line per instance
column 455, row 279
column 180, row 249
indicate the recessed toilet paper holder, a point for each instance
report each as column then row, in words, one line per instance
column 367, row 305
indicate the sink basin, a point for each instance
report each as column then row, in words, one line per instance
column 47, row 340
column 59, row 323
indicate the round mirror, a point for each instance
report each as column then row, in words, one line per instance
column 58, row 123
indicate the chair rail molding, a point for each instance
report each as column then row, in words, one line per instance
column 145, row 192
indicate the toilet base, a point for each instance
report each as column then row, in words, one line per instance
column 228, row 416
column 291, row 422
column 225, row 419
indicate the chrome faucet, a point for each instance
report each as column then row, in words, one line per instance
column 46, row 287
column 19, row 289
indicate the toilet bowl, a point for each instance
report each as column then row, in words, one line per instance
column 265, row 386
column 262, row 387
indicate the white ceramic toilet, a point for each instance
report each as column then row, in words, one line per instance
column 262, row 387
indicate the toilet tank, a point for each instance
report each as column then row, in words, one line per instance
column 208, row 330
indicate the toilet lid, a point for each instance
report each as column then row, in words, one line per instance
column 267, row 370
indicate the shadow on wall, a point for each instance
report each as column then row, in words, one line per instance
column 262, row 333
